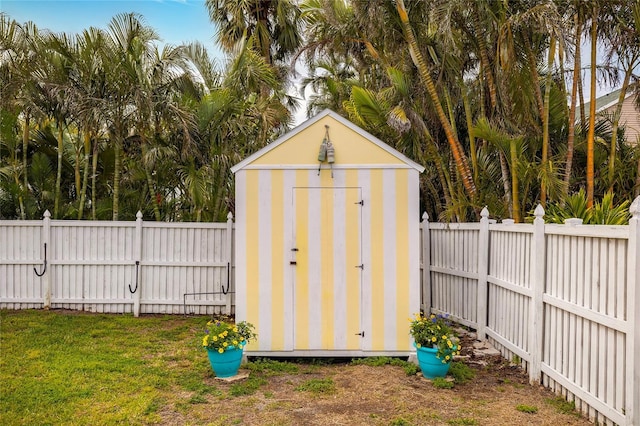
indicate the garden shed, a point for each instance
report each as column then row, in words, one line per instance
column 327, row 243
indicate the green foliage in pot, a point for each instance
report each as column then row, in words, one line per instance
column 435, row 331
column 222, row 336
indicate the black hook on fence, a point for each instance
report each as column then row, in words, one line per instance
column 135, row 289
column 44, row 269
column 228, row 279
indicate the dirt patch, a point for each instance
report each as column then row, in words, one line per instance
column 371, row 395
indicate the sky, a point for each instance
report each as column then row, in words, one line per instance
column 176, row 21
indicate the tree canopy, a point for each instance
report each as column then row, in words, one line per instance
column 487, row 95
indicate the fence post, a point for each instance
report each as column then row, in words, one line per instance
column 537, row 279
column 229, row 248
column 46, row 236
column 138, row 257
column 483, row 269
column 633, row 304
column 426, row 265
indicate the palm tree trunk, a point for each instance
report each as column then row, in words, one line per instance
column 418, row 60
column 484, row 59
column 545, row 123
column 533, row 67
column 472, row 138
column 85, row 174
column 56, row 198
column 504, row 169
column 572, row 110
column 76, row 166
column 116, row 175
column 150, row 186
column 637, row 186
column 514, row 182
column 616, row 123
column 25, row 149
column 592, row 110
column 94, row 175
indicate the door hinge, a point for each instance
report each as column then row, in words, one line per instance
column 360, row 266
column 360, row 334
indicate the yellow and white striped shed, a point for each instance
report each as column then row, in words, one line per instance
column 327, row 259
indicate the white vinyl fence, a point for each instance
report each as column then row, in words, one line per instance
column 562, row 300
column 117, row 267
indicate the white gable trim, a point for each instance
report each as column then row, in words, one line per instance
column 327, row 112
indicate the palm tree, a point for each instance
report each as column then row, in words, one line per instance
column 129, row 43
column 274, row 25
column 19, row 54
column 459, row 156
column 592, row 105
column 623, row 40
column 577, row 75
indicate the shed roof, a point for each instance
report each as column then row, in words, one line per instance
column 381, row 153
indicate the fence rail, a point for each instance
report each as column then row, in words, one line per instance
column 117, row 267
column 562, row 299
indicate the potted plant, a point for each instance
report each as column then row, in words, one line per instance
column 435, row 342
column 224, row 343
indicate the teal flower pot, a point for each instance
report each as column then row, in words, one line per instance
column 227, row 363
column 431, row 365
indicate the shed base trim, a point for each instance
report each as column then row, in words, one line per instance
column 322, row 353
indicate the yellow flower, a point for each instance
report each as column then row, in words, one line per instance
column 447, row 357
column 418, row 345
column 225, row 344
column 204, row 341
column 444, row 337
column 432, row 316
column 221, row 335
column 433, row 339
column 214, row 338
column 220, row 350
column 235, row 329
column 235, row 342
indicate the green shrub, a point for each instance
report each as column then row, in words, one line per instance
column 562, row 405
column 530, row 409
column 317, row 386
column 442, row 383
column 269, row 367
column 461, row 372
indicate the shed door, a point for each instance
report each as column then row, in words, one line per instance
column 327, row 268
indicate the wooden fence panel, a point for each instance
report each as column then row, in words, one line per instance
column 585, row 307
column 92, row 265
column 509, row 289
column 21, row 249
column 118, row 267
column 185, row 260
column 454, row 271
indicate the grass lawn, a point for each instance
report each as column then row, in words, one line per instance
column 60, row 367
